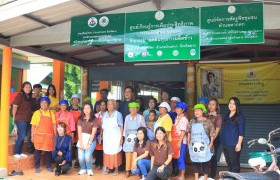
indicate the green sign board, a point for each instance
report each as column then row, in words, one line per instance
column 97, row 30
column 232, row 24
column 162, row 35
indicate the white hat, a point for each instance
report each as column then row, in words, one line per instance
column 175, row 99
column 166, row 105
column 76, row 96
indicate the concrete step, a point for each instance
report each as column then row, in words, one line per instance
column 11, row 148
column 25, row 163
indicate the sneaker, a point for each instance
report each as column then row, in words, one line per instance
column 37, row 170
column 143, row 177
column 50, row 169
column 23, row 155
column 81, row 172
column 89, row 172
column 17, row 156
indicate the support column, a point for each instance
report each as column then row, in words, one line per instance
column 84, row 83
column 5, row 106
column 190, row 87
column 24, row 74
column 58, row 77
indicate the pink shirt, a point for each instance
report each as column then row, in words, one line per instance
column 69, row 119
column 181, row 125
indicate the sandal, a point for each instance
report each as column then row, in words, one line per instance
column 20, row 173
column 13, row 173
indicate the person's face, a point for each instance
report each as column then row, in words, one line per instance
column 63, row 107
column 127, row 93
column 231, row 105
column 37, row 91
column 160, row 135
column 60, row 130
column 87, row 109
column 152, row 104
column 211, row 78
column 140, row 135
column 75, row 101
column 110, row 106
column 212, row 106
column 103, row 94
column 173, row 104
column 27, row 89
column 103, row 107
column 97, row 107
column 133, row 111
column 152, row 117
column 164, row 96
column 198, row 113
column 179, row 111
column 51, row 91
column 117, row 106
column 162, row 110
column 44, row 105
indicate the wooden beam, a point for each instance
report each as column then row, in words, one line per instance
column 89, row 6
column 222, row 54
column 111, row 59
column 272, row 37
column 91, row 49
column 37, row 20
column 156, row 4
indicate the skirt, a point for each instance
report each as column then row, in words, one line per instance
column 112, row 161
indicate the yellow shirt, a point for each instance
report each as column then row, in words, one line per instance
column 166, row 123
column 36, row 116
column 54, row 103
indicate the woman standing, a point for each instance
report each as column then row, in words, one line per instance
column 87, row 127
column 201, row 134
column 232, row 134
column 22, row 112
column 132, row 122
column 141, row 159
column 152, row 106
column 62, row 153
column 112, row 126
column 67, row 117
column 213, row 113
column 164, row 120
column 98, row 153
column 161, row 156
column 51, row 93
column 42, row 133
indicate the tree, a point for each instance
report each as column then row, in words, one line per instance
column 72, row 80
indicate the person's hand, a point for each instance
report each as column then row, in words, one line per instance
column 121, row 141
column 59, row 153
column 32, row 139
column 179, row 145
column 160, row 169
column 63, row 162
column 211, row 146
column 99, row 141
column 88, row 146
column 82, row 146
column 238, row 147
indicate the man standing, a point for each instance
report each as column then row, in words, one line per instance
column 128, row 96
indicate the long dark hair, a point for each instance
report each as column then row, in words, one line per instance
column 144, row 130
column 51, row 86
column 27, row 97
column 238, row 111
column 92, row 116
column 165, row 139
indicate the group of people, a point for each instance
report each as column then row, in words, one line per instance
column 153, row 143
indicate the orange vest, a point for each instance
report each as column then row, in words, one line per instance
column 43, row 135
column 175, row 141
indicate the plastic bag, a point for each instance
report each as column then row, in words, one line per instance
column 14, row 132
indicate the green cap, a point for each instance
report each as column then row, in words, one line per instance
column 133, row 105
column 87, row 99
column 200, row 106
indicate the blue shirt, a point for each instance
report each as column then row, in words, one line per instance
column 65, row 148
column 231, row 131
column 173, row 116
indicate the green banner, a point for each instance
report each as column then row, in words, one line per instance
column 232, row 24
column 162, row 35
column 97, row 30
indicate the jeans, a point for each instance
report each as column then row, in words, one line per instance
column 232, row 159
column 85, row 157
column 165, row 174
column 23, row 127
column 214, row 158
column 30, row 145
column 143, row 166
column 58, row 160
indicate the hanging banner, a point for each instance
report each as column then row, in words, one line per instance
column 252, row 83
column 162, row 35
column 97, row 30
column 232, row 24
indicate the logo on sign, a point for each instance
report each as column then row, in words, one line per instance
column 130, row 54
column 92, row 22
column 192, row 52
column 175, row 53
column 159, row 15
column 104, row 21
column 144, row 53
column 231, row 9
column 159, row 53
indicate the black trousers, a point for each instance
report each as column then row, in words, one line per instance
column 58, row 160
column 165, row 174
column 232, row 158
column 214, row 158
column 202, row 168
column 37, row 157
column 99, row 157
